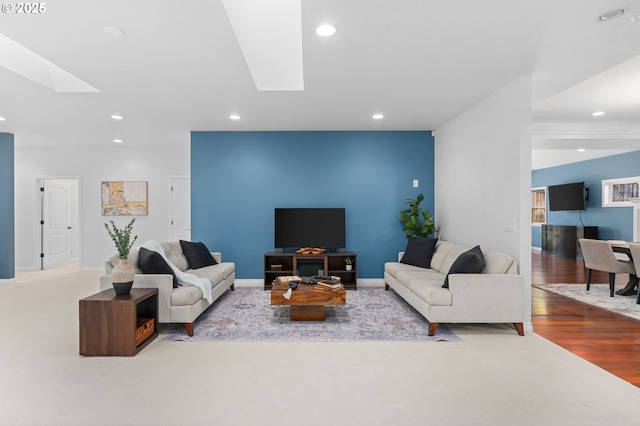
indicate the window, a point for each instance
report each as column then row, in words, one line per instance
column 538, row 206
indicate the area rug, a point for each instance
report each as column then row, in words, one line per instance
column 597, row 296
column 371, row 314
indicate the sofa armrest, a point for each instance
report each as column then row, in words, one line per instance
column 164, row 284
column 217, row 256
column 400, row 254
column 487, row 297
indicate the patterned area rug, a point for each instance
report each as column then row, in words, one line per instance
column 371, row 314
column 597, row 296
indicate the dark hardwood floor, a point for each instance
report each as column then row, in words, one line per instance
column 606, row 339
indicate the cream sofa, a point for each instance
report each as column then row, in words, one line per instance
column 183, row 304
column 496, row 295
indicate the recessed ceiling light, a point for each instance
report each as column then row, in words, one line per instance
column 113, row 31
column 234, row 117
column 581, row 150
column 117, row 117
column 378, row 116
column 612, row 14
column 3, row 119
column 598, row 113
column 326, row 30
column 117, row 140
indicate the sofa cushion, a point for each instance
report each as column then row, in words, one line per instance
column 151, row 262
column 214, row 273
column 496, row 263
column 442, row 250
column 197, row 254
column 431, row 291
column 394, row 267
column 454, row 251
column 185, row 295
column 419, row 252
column 173, row 251
column 132, row 259
column 469, row 262
column 405, row 277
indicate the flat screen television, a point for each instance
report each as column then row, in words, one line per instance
column 309, row 227
column 570, row 196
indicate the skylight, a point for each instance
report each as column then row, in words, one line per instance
column 270, row 37
column 30, row 65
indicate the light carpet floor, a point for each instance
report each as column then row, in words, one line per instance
column 598, row 295
column 492, row 377
column 371, row 314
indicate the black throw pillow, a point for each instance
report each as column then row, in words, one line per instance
column 197, row 254
column 469, row 262
column 152, row 262
column 419, row 251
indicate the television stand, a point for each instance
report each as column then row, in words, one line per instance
column 278, row 264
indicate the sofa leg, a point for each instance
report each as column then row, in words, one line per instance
column 233, row 287
column 433, row 326
column 189, row 327
column 386, row 286
column 519, row 328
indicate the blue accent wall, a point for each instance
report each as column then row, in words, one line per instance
column 7, row 219
column 239, row 178
column 614, row 223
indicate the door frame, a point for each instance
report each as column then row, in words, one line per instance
column 37, row 217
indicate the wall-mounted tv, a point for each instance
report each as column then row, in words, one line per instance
column 570, row 196
column 309, row 227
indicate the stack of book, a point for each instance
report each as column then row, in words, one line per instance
column 328, row 285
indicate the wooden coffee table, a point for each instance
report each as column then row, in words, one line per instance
column 307, row 303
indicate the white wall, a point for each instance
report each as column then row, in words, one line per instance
column 92, row 166
column 483, row 175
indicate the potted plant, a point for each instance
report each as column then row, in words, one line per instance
column 348, row 261
column 417, row 222
column 122, row 274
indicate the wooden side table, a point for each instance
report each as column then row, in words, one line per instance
column 108, row 322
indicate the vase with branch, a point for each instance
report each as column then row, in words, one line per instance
column 123, row 273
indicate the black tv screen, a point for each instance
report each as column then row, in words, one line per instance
column 570, row 196
column 309, row 227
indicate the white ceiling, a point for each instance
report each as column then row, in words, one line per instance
column 179, row 67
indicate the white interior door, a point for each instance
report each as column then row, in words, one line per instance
column 180, row 208
column 56, row 222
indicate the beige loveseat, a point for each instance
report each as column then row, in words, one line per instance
column 496, row 295
column 183, row 304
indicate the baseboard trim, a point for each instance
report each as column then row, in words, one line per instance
column 528, row 327
column 370, row 282
column 249, row 283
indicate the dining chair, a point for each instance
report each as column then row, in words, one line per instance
column 598, row 255
column 634, row 252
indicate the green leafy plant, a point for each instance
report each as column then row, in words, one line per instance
column 348, row 261
column 122, row 237
column 417, row 222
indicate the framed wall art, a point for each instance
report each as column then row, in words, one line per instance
column 125, row 198
column 618, row 192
